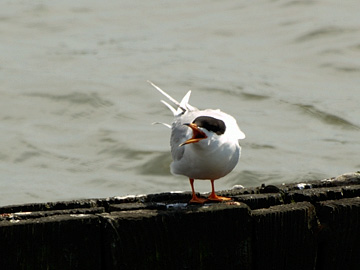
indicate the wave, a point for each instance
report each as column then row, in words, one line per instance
column 92, row 99
column 328, row 31
column 327, row 118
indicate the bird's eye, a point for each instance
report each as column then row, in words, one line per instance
column 211, row 124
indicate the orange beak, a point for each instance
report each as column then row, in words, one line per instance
column 198, row 135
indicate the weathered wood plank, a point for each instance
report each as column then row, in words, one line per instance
column 210, row 237
column 54, row 242
column 308, row 225
column 283, row 237
column 256, row 201
column 339, row 237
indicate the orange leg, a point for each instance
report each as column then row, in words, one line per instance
column 214, row 197
column 195, row 199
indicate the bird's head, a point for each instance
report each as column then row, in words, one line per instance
column 202, row 123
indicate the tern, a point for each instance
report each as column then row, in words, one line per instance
column 204, row 143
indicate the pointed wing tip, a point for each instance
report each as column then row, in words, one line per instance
column 161, row 123
column 171, row 108
column 241, row 136
column 150, row 82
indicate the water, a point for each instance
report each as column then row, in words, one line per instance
column 76, row 110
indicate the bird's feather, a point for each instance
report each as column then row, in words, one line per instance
column 161, row 123
column 182, row 106
column 171, row 108
column 213, row 157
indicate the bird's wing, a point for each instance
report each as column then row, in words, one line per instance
column 180, row 133
column 184, row 113
column 182, row 106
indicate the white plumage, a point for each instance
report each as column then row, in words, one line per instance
column 204, row 143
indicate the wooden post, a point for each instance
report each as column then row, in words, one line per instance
column 284, row 237
column 310, row 225
column 339, row 236
column 53, row 242
column 212, row 237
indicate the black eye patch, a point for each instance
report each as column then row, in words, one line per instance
column 211, row 124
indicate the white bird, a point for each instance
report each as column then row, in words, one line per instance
column 204, row 143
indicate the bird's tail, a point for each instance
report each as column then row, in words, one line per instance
column 182, row 106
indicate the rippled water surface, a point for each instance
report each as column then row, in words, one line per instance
column 76, row 110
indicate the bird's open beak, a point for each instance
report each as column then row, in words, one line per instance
column 198, row 135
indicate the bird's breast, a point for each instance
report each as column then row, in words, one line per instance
column 207, row 160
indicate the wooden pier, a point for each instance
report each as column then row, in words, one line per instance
column 308, row 225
